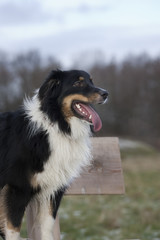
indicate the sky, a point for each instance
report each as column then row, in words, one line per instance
column 90, row 30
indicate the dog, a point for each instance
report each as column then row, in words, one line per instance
column 43, row 147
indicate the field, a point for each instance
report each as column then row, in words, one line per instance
column 136, row 215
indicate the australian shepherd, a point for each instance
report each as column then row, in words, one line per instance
column 43, row 147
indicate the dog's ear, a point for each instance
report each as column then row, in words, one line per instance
column 51, row 84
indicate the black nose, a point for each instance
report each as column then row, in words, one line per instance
column 104, row 94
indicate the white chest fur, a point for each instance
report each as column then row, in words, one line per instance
column 68, row 155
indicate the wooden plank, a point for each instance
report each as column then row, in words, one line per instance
column 105, row 175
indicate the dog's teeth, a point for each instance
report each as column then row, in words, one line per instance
column 78, row 106
column 90, row 117
column 80, row 109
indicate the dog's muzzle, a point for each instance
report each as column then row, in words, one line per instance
column 103, row 96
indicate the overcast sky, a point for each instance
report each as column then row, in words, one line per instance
column 67, row 29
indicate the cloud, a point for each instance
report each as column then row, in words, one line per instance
column 85, row 7
column 24, row 12
column 111, row 41
column 67, row 28
column 35, row 11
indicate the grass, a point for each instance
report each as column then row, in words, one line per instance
column 136, row 215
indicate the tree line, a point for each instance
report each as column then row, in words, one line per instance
column 133, row 84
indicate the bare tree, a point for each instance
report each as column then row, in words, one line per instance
column 133, row 85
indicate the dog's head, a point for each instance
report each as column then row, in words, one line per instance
column 67, row 94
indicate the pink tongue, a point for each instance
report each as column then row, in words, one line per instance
column 97, row 124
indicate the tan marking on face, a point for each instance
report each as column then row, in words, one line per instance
column 67, row 102
column 94, row 98
column 81, row 78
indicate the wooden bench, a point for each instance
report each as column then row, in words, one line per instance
column 104, row 176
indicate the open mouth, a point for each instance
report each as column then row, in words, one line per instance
column 87, row 113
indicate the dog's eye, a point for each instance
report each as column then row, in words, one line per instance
column 78, row 84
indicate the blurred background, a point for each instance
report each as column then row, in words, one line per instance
column 118, row 43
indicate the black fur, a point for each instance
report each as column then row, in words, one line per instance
column 57, row 200
column 23, row 154
column 19, row 154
